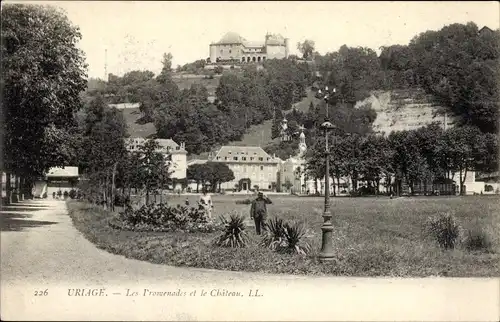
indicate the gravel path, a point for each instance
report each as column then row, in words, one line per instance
column 41, row 250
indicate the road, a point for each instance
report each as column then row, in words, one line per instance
column 42, row 251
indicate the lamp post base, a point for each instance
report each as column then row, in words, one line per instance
column 326, row 254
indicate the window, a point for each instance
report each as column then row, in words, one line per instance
column 229, row 152
column 251, row 158
column 219, row 157
column 225, row 158
column 229, row 50
column 243, row 158
column 262, row 167
column 261, row 159
column 235, row 158
column 267, row 159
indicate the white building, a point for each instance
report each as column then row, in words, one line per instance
column 234, row 48
column 175, row 154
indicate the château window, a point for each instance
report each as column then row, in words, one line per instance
column 243, row 158
column 261, row 159
column 235, row 158
column 218, row 158
column 229, row 50
column 262, row 167
column 251, row 158
column 225, row 158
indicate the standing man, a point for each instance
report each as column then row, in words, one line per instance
column 205, row 203
column 258, row 212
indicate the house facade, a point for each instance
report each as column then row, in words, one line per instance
column 251, row 165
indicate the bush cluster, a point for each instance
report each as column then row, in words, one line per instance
column 161, row 217
column 446, row 230
column 244, row 202
column 285, row 237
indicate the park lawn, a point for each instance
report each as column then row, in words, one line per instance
column 372, row 237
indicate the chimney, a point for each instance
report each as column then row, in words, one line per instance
column 183, row 145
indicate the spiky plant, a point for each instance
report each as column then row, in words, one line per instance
column 293, row 236
column 274, row 236
column 234, row 234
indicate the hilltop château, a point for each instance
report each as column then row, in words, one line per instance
column 236, row 49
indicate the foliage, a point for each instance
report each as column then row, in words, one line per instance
column 274, row 235
column 477, row 240
column 306, row 48
column 234, row 235
column 445, row 229
column 72, row 193
column 213, row 172
column 285, row 237
column 43, row 75
column 456, row 64
column 244, row 202
column 161, row 217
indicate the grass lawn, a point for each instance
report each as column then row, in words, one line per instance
column 372, row 237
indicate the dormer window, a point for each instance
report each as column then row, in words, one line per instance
column 261, row 159
column 218, row 158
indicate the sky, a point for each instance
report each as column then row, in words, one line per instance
column 133, row 35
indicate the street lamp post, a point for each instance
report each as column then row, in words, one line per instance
column 326, row 253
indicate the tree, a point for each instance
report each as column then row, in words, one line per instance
column 219, row 173
column 101, row 147
column 154, row 171
column 43, row 76
column 307, row 48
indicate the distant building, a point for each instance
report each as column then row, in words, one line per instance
column 251, row 165
column 122, row 106
column 485, row 30
column 234, row 48
column 175, row 154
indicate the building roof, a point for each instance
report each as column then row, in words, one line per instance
column 122, row 106
column 63, row 172
column 196, row 161
column 231, row 38
column 485, row 29
column 256, row 152
column 166, row 145
column 253, row 44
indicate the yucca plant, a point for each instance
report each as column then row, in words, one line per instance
column 234, row 234
column 293, row 236
column 274, row 235
column 445, row 229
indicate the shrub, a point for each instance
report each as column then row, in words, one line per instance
column 72, row 193
column 244, row 202
column 293, row 235
column 274, row 236
column 445, row 229
column 54, row 195
column 161, row 217
column 234, row 234
column 66, row 194
column 477, row 239
column 488, row 188
column 121, row 200
column 285, row 237
column 59, row 193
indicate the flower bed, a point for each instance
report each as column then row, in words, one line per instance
column 164, row 218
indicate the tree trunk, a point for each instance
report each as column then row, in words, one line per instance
column 377, row 187
column 197, row 187
column 338, row 182
column 16, row 187
column 113, row 188
column 8, row 188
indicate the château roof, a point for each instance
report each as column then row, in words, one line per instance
column 62, row 172
column 231, row 38
column 250, row 153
